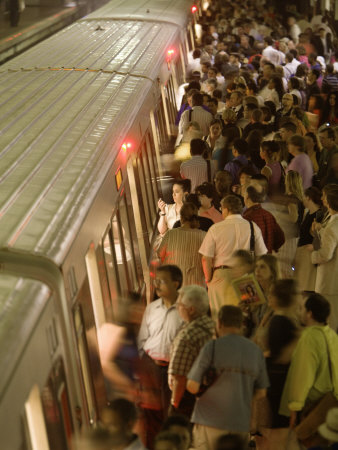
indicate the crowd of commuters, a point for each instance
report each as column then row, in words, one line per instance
column 241, row 343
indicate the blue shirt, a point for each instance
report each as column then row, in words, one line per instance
column 226, row 405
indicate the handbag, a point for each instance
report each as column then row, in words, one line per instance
column 210, row 375
column 306, row 431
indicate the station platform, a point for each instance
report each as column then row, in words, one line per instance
column 37, row 23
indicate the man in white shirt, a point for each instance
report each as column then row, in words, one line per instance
column 269, row 52
column 218, row 246
column 160, row 325
column 196, row 169
column 290, row 66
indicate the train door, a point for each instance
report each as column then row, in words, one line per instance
column 48, row 420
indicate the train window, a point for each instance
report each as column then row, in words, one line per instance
column 153, row 165
column 85, row 369
column 142, row 185
column 149, row 183
column 111, row 268
column 130, row 244
column 171, row 100
column 120, row 251
column 55, row 403
column 103, row 276
column 95, row 286
column 162, row 127
column 36, row 430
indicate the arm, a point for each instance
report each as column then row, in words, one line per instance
column 328, row 246
column 207, row 264
column 178, row 383
column 260, row 247
column 267, row 172
column 162, row 225
column 193, row 386
column 293, row 212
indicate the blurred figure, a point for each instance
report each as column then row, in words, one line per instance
column 180, row 425
column 167, row 440
column 118, row 350
column 120, row 418
column 230, row 442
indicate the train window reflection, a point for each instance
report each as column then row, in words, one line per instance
column 152, row 164
column 111, row 267
column 149, row 183
column 123, row 255
column 144, row 194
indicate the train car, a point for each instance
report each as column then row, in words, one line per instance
column 85, row 116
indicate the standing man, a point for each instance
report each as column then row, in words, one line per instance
column 226, row 406
column 160, row 324
column 309, row 377
column 193, row 305
column 196, row 114
column 327, row 139
column 218, row 246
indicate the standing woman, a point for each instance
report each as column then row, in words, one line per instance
column 273, row 169
column 180, row 246
column 312, row 148
column 290, row 220
column 215, row 140
column 276, row 91
column 327, row 258
column 206, row 195
column 305, row 271
column 266, row 273
column 169, row 214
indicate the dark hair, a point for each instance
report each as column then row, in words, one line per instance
column 254, row 195
column 319, row 307
column 177, row 419
column 271, row 106
column 295, row 84
column 257, row 115
column 230, row 316
column 314, row 139
column 245, row 256
column 214, row 101
column 175, row 273
column 289, row 126
column 168, row 436
column 214, row 121
column 185, row 184
column 125, row 409
column 316, row 73
column 270, row 147
column 193, row 85
column 330, row 132
column 284, row 291
column 189, row 213
column 207, row 189
column 232, row 203
column 241, row 146
column 197, row 146
column 192, row 198
column 298, row 141
column 230, row 442
column 314, row 194
column 250, row 106
column 278, row 86
column 332, row 199
column 252, row 86
column 217, row 93
column 197, row 99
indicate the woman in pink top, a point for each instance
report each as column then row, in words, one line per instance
column 206, row 196
column 273, row 169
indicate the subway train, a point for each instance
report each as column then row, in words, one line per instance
column 85, row 117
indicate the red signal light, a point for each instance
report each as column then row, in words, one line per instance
column 194, row 9
column 125, row 146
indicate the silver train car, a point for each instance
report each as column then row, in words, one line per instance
column 84, row 118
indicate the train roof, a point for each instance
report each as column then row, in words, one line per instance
column 18, row 316
column 66, row 107
column 174, row 12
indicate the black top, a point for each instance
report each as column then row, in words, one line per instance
column 205, row 223
column 305, row 236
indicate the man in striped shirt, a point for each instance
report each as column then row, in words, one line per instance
column 196, row 114
column 196, row 169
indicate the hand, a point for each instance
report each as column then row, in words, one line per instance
column 293, row 419
column 161, row 205
column 171, row 381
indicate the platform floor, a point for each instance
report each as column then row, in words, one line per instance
column 37, row 23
